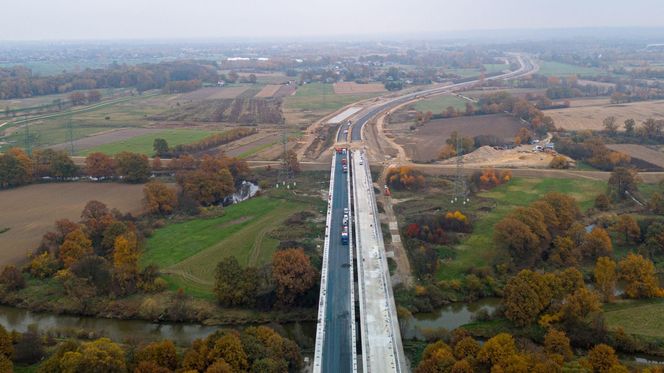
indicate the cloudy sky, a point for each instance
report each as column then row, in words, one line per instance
column 146, row 19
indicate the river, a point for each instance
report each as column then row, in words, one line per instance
column 449, row 317
column 17, row 319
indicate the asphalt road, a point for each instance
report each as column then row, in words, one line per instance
column 337, row 341
column 356, row 128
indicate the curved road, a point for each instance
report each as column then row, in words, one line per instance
column 526, row 67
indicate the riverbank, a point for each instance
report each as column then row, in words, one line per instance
column 182, row 334
column 48, row 296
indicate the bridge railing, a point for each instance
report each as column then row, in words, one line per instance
column 322, row 301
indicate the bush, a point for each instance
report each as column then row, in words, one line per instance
column 602, row 202
column 559, row 162
column 405, row 178
column 12, row 278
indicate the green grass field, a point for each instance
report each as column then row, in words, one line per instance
column 559, row 69
column 320, row 97
column 125, row 112
column 144, row 144
column 476, row 250
column 439, row 104
column 645, row 317
column 190, row 251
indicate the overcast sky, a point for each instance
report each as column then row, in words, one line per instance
column 147, row 19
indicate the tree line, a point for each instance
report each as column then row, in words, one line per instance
column 290, row 280
column 20, row 82
column 461, row 353
column 18, row 168
column 253, row 349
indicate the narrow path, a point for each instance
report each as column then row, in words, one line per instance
column 256, row 248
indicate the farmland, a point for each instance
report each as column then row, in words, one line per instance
column 55, row 130
column 424, row 143
column 468, row 73
column 237, row 110
column 591, row 117
column 30, row 211
column 214, row 93
column 439, row 104
column 641, row 152
column 320, row 97
column 190, row 251
column 352, row 88
column 552, row 68
column 144, row 143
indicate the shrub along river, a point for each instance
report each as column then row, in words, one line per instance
column 303, row 333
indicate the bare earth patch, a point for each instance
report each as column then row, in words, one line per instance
column 641, row 152
column 590, row 117
column 424, row 143
column 30, row 211
column 521, row 156
column 268, row 91
column 352, row 88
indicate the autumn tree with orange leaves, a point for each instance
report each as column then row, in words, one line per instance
column 99, row 165
column 75, row 246
column 292, row 273
column 404, row 177
column 159, row 198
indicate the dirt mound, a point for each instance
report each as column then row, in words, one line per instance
column 481, row 155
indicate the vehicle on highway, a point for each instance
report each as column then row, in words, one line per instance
column 343, row 161
column 345, row 221
column 345, row 169
column 344, row 236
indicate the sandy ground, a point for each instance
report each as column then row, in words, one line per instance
column 521, row 156
column 424, row 143
column 590, row 117
column 30, row 211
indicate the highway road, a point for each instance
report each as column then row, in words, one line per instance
column 355, row 130
column 337, row 340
